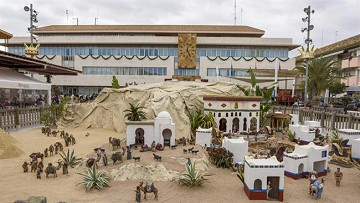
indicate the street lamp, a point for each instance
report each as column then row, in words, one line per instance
column 308, row 41
column 31, row 50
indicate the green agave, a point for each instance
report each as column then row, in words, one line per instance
column 69, row 158
column 192, row 177
column 94, row 178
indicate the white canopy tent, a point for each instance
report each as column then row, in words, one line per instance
column 10, row 79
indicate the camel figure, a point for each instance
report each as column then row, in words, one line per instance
column 149, row 189
column 35, row 156
column 50, row 169
column 59, row 146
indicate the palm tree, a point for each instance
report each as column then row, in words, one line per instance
column 255, row 90
column 322, row 74
column 134, row 113
column 207, row 121
column 195, row 118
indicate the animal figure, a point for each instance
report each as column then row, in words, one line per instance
column 54, row 133
column 173, row 146
column 115, row 143
column 185, row 151
column 59, row 146
column 33, row 166
column 51, row 150
column 157, row 157
column 194, row 151
column 136, row 158
column 72, row 140
column 37, row 155
column 62, row 133
column 117, row 156
column 149, row 188
column 25, row 166
column 65, row 168
column 105, row 159
column 190, row 149
column 50, row 169
column 91, row 161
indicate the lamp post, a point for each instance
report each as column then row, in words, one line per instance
column 33, row 20
column 308, row 41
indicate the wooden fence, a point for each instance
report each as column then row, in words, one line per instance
column 15, row 117
column 330, row 118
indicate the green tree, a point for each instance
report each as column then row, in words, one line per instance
column 198, row 119
column 115, row 83
column 255, row 90
column 322, row 74
column 53, row 113
column 135, row 113
column 337, row 88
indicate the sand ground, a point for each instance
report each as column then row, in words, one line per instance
column 224, row 185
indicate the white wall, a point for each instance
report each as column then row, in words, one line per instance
column 251, row 174
column 148, row 134
column 355, row 149
column 240, row 150
column 203, row 138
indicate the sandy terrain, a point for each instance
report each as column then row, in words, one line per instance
column 224, row 186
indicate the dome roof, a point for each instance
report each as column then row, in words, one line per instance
column 164, row 114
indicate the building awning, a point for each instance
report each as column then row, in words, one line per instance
column 15, row 61
column 5, row 35
column 10, row 79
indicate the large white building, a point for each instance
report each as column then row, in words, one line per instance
column 154, row 53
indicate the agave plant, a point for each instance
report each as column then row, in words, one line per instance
column 291, row 135
column 191, row 177
column 94, row 178
column 70, row 159
column 335, row 138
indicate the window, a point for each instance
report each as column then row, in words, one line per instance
column 219, row 114
column 257, row 184
column 211, row 72
column 227, row 114
column 257, row 113
column 250, row 114
column 324, row 154
column 232, row 114
column 235, row 113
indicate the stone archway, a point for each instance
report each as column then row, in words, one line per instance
column 253, row 124
column 139, row 136
column 222, row 125
column 235, row 125
column 167, row 133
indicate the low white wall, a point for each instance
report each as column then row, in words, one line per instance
column 203, row 138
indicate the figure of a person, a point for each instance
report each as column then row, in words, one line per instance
column 189, row 162
column 320, row 188
column 129, row 154
column 138, row 194
column 338, row 176
column 268, row 189
column 65, row 168
column 46, row 152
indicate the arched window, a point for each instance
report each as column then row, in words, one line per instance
column 239, row 113
column 250, row 114
column 257, row 113
column 257, row 184
column 219, row 114
column 227, row 115
column 232, row 114
column 235, row 113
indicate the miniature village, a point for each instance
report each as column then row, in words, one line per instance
column 231, row 148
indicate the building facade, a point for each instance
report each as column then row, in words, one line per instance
column 138, row 54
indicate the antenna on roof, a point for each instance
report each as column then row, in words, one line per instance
column 235, row 12
column 241, row 16
column 67, row 17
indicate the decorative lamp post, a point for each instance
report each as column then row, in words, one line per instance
column 307, row 53
column 30, row 49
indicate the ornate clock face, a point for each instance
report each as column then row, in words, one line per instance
column 187, row 51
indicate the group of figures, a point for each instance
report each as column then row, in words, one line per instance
column 38, row 166
column 148, row 188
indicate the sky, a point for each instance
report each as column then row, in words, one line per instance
column 333, row 20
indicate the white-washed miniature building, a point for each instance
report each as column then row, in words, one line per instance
column 294, row 119
column 258, row 173
column 305, row 159
column 237, row 146
column 350, row 134
column 203, row 137
column 161, row 130
column 234, row 114
column 306, row 132
column 355, row 150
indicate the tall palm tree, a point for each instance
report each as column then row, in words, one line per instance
column 195, row 118
column 322, row 74
column 207, row 121
column 135, row 113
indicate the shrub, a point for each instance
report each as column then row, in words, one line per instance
column 291, row 135
column 70, row 159
column 192, row 177
column 94, row 178
column 221, row 157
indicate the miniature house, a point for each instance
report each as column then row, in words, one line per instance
column 305, row 159
column 237, row 146
column 294, row 119
column 161, row 130
column 279, row 120
column 350, row 134
column 258, row 173
column 234, row 114
column 355, row 150
column 305, row 133
column 203, row 137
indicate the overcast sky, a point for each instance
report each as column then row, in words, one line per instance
column 333, row 19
